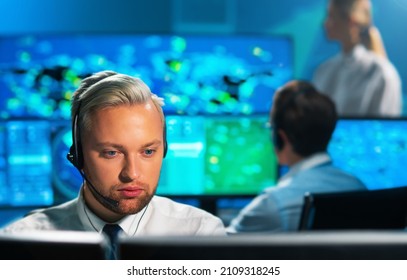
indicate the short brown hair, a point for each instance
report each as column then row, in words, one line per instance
column 305, row 115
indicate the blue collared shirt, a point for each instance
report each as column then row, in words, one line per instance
column 278, row 208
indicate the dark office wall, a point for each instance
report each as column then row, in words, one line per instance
column 55, row 16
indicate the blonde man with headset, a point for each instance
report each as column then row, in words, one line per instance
column 119, row 142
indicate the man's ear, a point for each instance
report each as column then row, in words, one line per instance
column 287, row 145
column 284, row 151
column 283, row 136
column 287, row 155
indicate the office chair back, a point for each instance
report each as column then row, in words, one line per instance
column 355, row 210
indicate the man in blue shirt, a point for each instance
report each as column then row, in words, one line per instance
column 302, row 122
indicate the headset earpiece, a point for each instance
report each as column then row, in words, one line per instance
column 165, row 139
column 75, row 155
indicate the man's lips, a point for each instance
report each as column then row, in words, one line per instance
column 130, row 192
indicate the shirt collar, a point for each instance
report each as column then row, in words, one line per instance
column 92, row 222
column 305, row 164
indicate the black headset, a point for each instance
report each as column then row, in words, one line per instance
column 75, row 155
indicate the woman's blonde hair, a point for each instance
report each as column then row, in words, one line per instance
column 361, row 12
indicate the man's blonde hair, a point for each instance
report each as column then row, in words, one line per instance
column 109, row 89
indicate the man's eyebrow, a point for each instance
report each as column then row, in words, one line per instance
column 152, row 143
column 109, row 144
column 118, row 146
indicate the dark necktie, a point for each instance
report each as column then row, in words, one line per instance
column 112, row 231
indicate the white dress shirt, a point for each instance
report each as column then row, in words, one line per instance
column 161, row 216
column 361, row 83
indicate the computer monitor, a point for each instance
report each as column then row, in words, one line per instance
column 195, row 74
column 374, row 150
column 25, row 163
column 218, row 156
column 53, row 245
column 289, row 246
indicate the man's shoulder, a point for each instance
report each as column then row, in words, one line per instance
column 330, row 175
column 63, row 209
column 327, row 169
column 177, row 209
column 183, row 219
column 42, row 219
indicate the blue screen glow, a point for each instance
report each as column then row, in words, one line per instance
column 373, row 150
column 194, row 74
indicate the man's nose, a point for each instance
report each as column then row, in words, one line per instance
column 131, row 169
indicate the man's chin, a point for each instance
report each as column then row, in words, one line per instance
column 129, row 211
column 128, row 207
